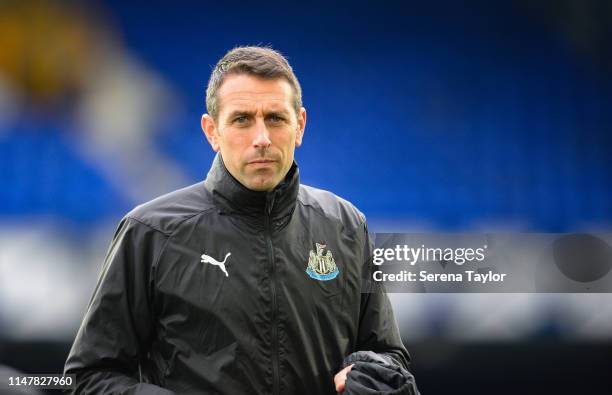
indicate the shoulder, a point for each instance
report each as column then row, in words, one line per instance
column 331, row 206
column 167, row 212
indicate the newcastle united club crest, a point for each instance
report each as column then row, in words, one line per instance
column 322, row 266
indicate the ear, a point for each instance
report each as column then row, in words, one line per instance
column 301, row 121
column 210, row 131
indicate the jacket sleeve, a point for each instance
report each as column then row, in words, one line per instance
column 118, row 325
column 378, row 330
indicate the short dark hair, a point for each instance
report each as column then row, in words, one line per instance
column 262, row 62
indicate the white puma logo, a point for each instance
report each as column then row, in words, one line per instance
column 213, row 261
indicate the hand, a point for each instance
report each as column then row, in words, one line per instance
column 340, row 378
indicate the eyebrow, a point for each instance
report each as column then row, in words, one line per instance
column 283, row 113
column 240, row 113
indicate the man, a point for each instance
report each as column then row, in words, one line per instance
column 246, row 283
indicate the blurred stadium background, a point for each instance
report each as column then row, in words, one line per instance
column 429, row 116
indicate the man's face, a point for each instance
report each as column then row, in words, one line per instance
column 257, row 129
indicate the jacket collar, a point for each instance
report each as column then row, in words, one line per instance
column 231, row 196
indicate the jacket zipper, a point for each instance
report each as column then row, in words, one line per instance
column 270, row 249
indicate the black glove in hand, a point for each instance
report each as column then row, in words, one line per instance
column 376, row 374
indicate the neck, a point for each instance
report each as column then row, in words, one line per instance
column 232, row 196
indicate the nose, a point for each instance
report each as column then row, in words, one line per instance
column 262, row 135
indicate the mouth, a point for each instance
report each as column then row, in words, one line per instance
column 261, row 161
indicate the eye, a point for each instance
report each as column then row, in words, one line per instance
column 275, row 118
column 241, row 119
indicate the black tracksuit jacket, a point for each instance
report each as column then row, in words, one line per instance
column 163, row 319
